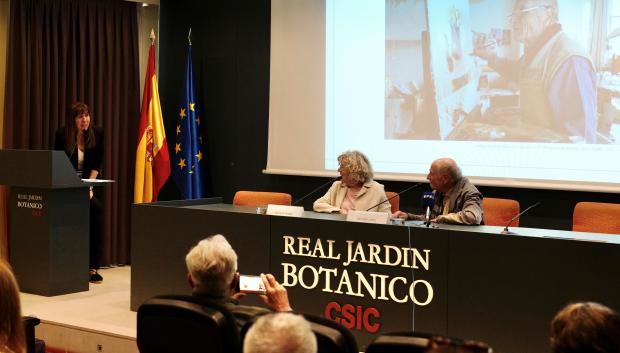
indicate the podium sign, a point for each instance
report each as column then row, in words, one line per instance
column 48, row 210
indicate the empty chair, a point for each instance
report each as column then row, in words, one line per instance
column 498, row 212
column 394, row 202
column 258, row 198
column 181, row 323
column 331, row 337
column 414, row 342
column 596, row 217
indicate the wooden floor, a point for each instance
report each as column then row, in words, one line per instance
column 98, row 320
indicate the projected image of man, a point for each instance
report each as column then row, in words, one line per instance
column 556, row 77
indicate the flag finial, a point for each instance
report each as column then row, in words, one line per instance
column 189, row 36
column 152, row 36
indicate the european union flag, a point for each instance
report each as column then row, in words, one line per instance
column 188, row 147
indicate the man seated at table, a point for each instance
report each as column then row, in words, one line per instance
column 457, row 201
column 212, row 274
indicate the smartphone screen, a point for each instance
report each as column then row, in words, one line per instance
column 251, row 284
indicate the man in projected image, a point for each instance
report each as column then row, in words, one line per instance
column 556, row 77
column 457, row 201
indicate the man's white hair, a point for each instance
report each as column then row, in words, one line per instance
column 551, row 4
column 212, row 265
column 280, row 333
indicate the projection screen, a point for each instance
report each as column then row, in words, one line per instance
column 409, row 81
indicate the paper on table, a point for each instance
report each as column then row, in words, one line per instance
column 97, row 181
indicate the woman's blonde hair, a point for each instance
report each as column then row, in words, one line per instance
column 357, row 164
column 11, row 326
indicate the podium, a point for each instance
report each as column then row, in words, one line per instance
column 48, row 217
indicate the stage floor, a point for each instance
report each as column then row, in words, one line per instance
column 98, row 320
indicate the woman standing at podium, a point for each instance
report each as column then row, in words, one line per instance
column 83, row 144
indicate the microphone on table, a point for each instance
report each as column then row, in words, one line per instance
column 315, row 190
column 506, row 231
column 398, row 194
column 428, row 201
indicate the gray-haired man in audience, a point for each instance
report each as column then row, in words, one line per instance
column 212, row 274
column 280, row 333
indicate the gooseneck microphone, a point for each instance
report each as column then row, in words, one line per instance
column 506, row 231
column 398, row 194
column 315, row 190
column 428, row 201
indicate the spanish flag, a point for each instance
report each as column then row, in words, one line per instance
column 152, row 158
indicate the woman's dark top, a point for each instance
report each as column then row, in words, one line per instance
column 93, row 157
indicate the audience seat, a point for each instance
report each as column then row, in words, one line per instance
column 29, row 323
column 414, row 342
column 395, row 202
column 331, row 337
column 181, row 323
column 260, row 198
column 498, row 212
column 596, row 217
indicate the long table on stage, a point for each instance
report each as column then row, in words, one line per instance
column 467, row 282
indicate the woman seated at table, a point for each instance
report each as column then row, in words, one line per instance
column 355, row 190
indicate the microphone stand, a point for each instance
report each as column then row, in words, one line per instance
column 398, row 194
column 315, row 190
column 506, row 231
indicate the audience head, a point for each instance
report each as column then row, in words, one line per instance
column 212, row 266
column 280, row 333
column 11, row 326
column 354, row 168
column 585, row 328
column 443, row 174
column 441, row 344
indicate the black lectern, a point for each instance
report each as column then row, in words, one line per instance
column 48, row 221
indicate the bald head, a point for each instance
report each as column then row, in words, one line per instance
column 444, row 173
column 448, row 166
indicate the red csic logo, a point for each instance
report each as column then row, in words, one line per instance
column 354, row 316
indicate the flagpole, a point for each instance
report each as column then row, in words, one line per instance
column 189, row 36
column 152, row 36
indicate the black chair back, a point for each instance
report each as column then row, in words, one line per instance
column 331, row 337
column 180, row 323
column 416, row 342
column 29, row 323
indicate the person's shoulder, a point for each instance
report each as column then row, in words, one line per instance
column 98, row 131
column 248, row 310
column 337, row 183
column 469, row 186
column 373, row 184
